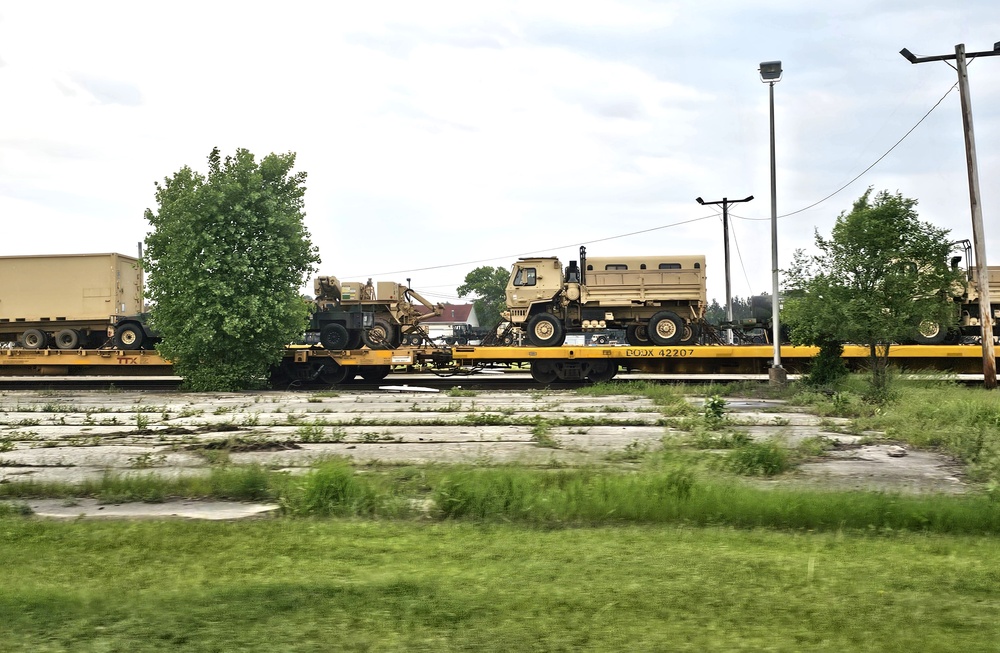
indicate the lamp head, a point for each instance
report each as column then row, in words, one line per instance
column 699, row 200
column 770, row 71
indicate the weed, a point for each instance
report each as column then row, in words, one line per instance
column 541, row 435
column 633, row 451
column 459, row 391
column 141, row 423
column 147, row 460
column 758, row 459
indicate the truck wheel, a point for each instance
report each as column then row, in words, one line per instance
column 930, row 333
column 543, row 372
column 691, row 334
column 382, row 335
column 34, row 339
column 128, row 336
column 637, row 335
column 334, row 337
column 666, row 328
column 67, row 339
column 545, row 330
column 353, row 339
column 372, row 373
column 601, row 340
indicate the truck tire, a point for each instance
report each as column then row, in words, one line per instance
column 545, row 330
column 353, row 339
column 691, row 334
column 930, row 333
column 128, row 336
column 601, row 340
column 67, row 339
column 666, row 328
column 334, row 337
column 34, row 339
column 382, row 335
column 637, row 335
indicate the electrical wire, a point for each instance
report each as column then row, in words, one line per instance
column 676, row 224
column 862, row 173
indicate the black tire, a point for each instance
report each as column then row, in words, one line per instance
column 463, row 341
column 129, row 336
column 666, row 328
column 930, row 333
column 691, row 333
column 382, row 335
column 543, row 372
column 353, row 339
column 637, row 335
column 67, row 339
column 602, row 371
column 34, row 339
column 334, row 337
column 508, row 340
column 545, row 330
column 601, row 340
column 373, row 373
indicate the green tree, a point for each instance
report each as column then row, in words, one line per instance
column 226, row 257
column 881, row 276
column 488, row 285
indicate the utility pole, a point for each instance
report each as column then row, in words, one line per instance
column 978, row 234
column 725, row 202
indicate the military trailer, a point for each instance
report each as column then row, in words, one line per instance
column 657, row 300
column 380, row 316
column 70, row 301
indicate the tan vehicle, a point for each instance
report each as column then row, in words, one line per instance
column 658, row 300
column 71, row 301
column 965, row 297
column 380, row 316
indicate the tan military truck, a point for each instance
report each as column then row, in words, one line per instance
column 379, row 316
column 71, row 301
column 658, row 300
column 966, row 322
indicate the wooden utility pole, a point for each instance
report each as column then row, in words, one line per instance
column 978, row 234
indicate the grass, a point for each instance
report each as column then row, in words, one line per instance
column 306, row 585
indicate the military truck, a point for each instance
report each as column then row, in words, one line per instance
column 658, row 300
column 966, row 322
column 72, row 301
column 380, row 316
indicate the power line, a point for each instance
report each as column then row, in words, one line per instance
column 862, row 173
column 547, row 249
column 675, row 224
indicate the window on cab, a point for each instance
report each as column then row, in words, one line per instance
column 615, row 266
column 670, row 266
column 525, row 277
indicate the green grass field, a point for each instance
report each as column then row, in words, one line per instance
column 306, row 585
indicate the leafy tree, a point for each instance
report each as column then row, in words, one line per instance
column 881, row 275
column 226, row 258
column 488, row 284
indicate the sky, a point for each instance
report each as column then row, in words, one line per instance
column 441, row 136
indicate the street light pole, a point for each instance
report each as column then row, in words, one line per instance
column 770, row 72
column 978, row 234
column 725, row 202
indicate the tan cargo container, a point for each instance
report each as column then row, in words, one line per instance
column 66, row 299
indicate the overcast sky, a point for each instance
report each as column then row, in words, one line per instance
column 440, row 136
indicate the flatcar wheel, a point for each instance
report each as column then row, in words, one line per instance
column 331, row 373
column 372, row 373
column 543, row 372
column 602, row 371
